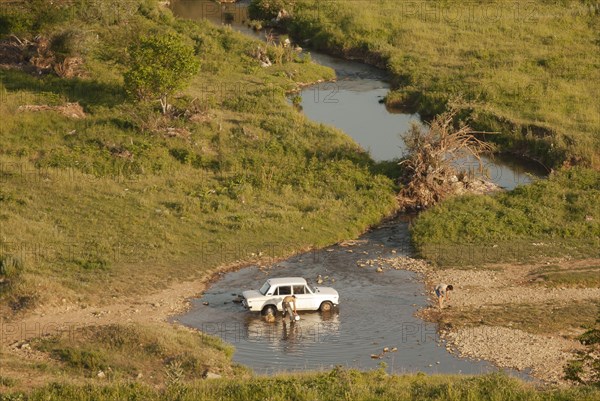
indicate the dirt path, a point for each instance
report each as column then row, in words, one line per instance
column 68, row 317
column 64, row 319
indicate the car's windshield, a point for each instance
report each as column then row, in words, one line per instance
column 263, row 290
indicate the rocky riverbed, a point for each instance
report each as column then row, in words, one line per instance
column 500, row 288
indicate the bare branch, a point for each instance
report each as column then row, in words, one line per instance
column 430, row 167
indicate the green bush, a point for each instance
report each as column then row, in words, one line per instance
column 68, row 43
column 267, row 9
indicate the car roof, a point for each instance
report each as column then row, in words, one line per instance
column 287, row 280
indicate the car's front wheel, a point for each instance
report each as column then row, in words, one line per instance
column 326, row 306
column 269, row 309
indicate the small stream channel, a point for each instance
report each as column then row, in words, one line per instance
column 376, row 309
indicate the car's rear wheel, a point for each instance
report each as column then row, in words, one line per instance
column 269, row 309
column 326, row 306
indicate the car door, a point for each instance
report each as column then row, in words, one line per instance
column 271, row 297
column 304, row 299
column 283, row 291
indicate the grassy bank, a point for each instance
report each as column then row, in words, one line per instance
column 567, row 319
column 556, row 217
column 123, row 201
column 526, row 70
column 152, row 354
column 336, row 385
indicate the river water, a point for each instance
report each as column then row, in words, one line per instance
column 353, row 104
column 376, row 309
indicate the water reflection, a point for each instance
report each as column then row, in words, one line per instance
column 291, row 338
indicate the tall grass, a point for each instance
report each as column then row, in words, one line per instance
column 339, row 384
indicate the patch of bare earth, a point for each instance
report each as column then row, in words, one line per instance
column 16, row 332
column 71, row 110
column 35, row 57
column 545, row 355
column 62, row 318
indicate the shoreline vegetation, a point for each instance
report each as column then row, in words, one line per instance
column 520, row 69
column 558, row 217
column 111, row 214
column 338, row 384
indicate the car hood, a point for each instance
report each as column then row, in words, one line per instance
column 250, row 294
column 326, row 291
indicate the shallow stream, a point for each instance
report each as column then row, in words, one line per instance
column 376, row 309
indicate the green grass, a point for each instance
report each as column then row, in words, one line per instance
column 152, row 354
column 122, row 352
column 7, row 382
column 339, row 384
column 78, row 221
column 559, row 216
column 555, row 276
column 526, row 70
column 546, row 318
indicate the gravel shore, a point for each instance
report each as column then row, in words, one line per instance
column 543, row 355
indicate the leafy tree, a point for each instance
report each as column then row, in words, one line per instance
column 160, row 66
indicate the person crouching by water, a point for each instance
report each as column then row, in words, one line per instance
column 287, row 306
column 443, row 294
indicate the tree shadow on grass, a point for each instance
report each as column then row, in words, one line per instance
column 87, row 92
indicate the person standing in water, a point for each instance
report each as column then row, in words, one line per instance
column 287, row 306
column 443, row 294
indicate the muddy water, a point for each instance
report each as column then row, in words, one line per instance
column 376, row 309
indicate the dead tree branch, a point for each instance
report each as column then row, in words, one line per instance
column 430, row 169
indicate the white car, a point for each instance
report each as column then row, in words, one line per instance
column 270, row 296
